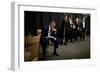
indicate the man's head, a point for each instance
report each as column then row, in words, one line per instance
column 52, row 23
column 65, row 17
column 84, row 17
column 71, row 16
column 77, row 19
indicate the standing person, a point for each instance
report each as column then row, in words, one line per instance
column 76, row 30
column 71, row 28
column 80, row 29
column 49, row 33
column 65, row 29
column 83, row 28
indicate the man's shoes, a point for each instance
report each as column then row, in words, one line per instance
column 71, row 41
column 64, row 43
column 55, row 54
column 43, row 58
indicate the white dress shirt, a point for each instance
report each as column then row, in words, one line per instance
column 70, row 20
column 49, row 32
column 83, row 23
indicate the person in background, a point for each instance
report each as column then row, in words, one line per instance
column 49, row 34
column 83, row 28
column 71, row 28
column 65, row 29
column 76, row 30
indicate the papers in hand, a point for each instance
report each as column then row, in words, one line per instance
column 51, row 37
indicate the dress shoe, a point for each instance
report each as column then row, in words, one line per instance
column 55, row 54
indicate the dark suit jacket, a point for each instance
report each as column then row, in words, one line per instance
column 81, row 26
column 45, row 32
column 65, row 25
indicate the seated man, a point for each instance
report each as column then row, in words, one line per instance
column 49, row 33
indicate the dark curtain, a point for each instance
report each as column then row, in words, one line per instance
column 34, row 20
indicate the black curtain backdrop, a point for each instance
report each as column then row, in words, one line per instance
column 34, row 20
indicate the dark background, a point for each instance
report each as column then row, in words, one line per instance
column 34, row 20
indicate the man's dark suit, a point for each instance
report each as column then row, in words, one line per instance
column 65, row 31
column 82, row 31
column 76, row 31
column 44, row 40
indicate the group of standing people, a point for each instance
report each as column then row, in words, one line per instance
column 72, row 29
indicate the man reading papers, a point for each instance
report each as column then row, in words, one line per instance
column 49, row 34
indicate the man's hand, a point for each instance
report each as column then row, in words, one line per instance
column 54, row 30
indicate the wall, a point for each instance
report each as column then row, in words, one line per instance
column 5, row 34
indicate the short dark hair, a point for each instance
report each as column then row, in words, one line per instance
column 52, row 21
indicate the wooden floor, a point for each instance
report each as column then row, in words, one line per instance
column 76, row 50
